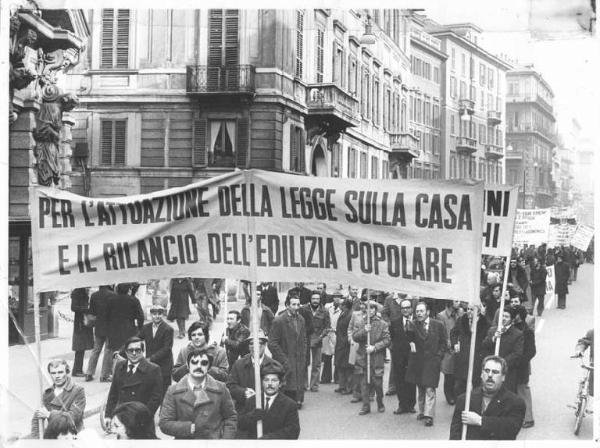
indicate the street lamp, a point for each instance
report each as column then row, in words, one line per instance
column 368, row 38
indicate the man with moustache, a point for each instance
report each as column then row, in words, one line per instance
column 198, row 406
column 321, row 324
column 495, row 413
column 278, row 412
column 135, row 379
column 234, row 338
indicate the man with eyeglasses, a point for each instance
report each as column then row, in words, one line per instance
column 241, row 378
column 135, row 379
column 495, row 413
column 198, row 406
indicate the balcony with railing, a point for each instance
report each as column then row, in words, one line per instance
column 426, row 38
column 466, row 145
column 466, row 105
column 494, row 117
column 328, row 102
column 532, row 128
column 494, row 151
column 225, row 80
column 404, row 145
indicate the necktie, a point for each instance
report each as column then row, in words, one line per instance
column 267, row 404
column 405, row 325
column 130, row 372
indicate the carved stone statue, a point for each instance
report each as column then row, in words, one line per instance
column 19, row 75
column 47, row 133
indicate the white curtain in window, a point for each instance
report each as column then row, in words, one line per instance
column 231, row 132
column 214, row 132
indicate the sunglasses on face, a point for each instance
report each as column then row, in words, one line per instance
column 203, row 362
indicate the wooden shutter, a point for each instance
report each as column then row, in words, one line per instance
column 231, row 55
column 199, row 142
column 299, row 43
column 215, row 49
column 320, row 45
column 106, row 44
column 120, row 142
column 122, row 47
column 293, row 149
column 335, row 160
column 301, row 150
column 242, row 143
column 106, row 139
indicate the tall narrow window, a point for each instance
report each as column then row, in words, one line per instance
column 115, row 38
column 336, row 160
column 113, row 142
column 338, row 65
column 299, row 43
column 363, row 165
column 374, row 167
column 376, row 95
column 222, row 143
column 320, row 53
column 352, row 163
column 223, row 49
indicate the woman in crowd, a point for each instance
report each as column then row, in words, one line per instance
column 60, row 426
column 133, row 420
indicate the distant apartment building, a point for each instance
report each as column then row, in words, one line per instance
column 473, row 94
column 530, row 136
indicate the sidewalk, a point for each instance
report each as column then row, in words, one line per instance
column 24, row 391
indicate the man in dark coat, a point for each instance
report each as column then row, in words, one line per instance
column 83, row 336
column 234, row 339
column 158, row 336
column 524, row 369
column 399, row 326
column 125, row 317
column 538, row 284
column 373, row 339
column 241, row 383
column 495, row 413
column 287, row 343
column 135, row 379
column 561, row 281
column 428, row 341
column 278, row 413
column 342, row 350
column 182, row 292
column 511, row 346
column 269, row 295
column 99, row 309
column 460, row 338
column 517, row 279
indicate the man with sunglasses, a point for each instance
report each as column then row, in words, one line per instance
column 198, row 406
column 495, row 413
column 134, row 379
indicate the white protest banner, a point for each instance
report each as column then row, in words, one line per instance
column 582, row 237
column 550, row 282
column 531, row 226
column 563, row 223
column 500, row 205
column 423, row 237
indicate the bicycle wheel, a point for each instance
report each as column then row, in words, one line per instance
column 579, row 413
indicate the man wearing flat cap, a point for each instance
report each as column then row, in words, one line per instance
column 158, row 336
column 277, row 411
column 241, row 377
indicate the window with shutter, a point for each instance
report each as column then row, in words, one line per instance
column 374, row 167
column 351, row 163
column 223, row 49
column 113, row 142
column 242, row 143
column 293, row 149
column 363, row 165
column 300, row 141
column 336, row 153
column 299, row 43
column 115, row 38
column 385, row 170
column 199, row 144
column 320, row 54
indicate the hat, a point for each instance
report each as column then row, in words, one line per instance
column 157, row 307
column 261, row 336
column 272, row 368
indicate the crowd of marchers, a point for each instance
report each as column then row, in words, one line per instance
column 207, row 389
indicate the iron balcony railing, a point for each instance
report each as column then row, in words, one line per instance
column 494, row 117
column 405, row 143
column 223, row 79
column 494, row 151
column 466, row 144
column 323, row 96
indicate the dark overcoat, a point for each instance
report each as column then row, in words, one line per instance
column 182, row 292
column 99, row 308
column 501, row 420
column 461, row 334
column 538, row 281
column 561, row 276
column 288, row 346
column 159, row 348
column 125, row 319
column 71, row 401
column 145, row 386
column 529, row 351
column 83, row 337
column 242, row 377
column 379, row 337
column 342, row 344
column 424, row 365
column 511, row 349
column 280, row 421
